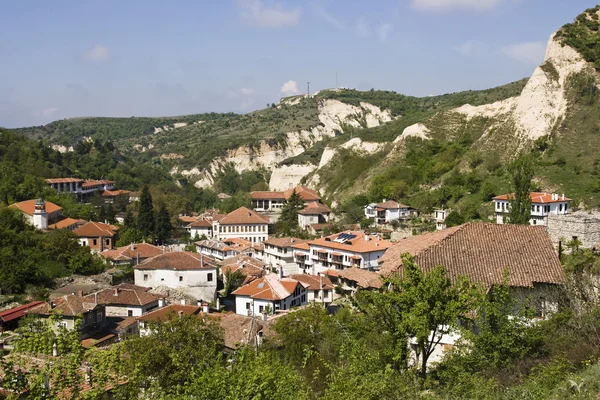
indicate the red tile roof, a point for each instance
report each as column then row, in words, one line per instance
column 263, row 195
column 63, row 223
column 96, row 229
column 17, row 312
column 313, row 282
column 201, row 223
column 536, row 197
column 315, row 208
column 359, row 244
column 284, row 241
column 94, row 182
column 114, row 193
column 484, row 252
column 305, row 193
column 172, row 309
column 132, row 251
column 69, row 305
column 63, row 180
column 363, row 278
column 178, row 260
column 123, row 295
column 188, row 218
column 239, row 329
column 391, row 204
column 269, row 287
column 243, row 216
column 28, row 206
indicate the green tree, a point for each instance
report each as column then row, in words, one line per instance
column 163, row 225
column 288, row 221
column 520, row 204
column 145, row 219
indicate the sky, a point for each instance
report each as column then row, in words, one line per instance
column 70, row 58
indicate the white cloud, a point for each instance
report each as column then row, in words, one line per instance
column 330, row 19
column 256, row 13
column 528, row 52
column 290, row 88
column 98, row 53
column 467, row 48
column 449, row 5
column 362, row 28
column 48, row 112
column 383, row 31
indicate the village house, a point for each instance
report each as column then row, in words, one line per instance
column 339, row 251
column 274, row 201
column 67, row 224
column 242, row 223
column 388, row 211
column 242, row 330
column 126, row 300
column 192, row 273
column 39, row 213
column 162, row 314
column 67, row 309
column 279, row 253
column 439, row 216
column 111, row 196
column 249, row 267
column 215, row 249
column 199, row 228
column 79, row 187
column 9, row 319
column 351, row 279
column 313, row 213
column 542, row 205
column 97, row 236
column 320, row 289
column 132, row 254
column 269, row 294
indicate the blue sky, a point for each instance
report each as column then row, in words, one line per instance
column 148, row 58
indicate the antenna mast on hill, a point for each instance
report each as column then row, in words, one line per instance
column 308, row 88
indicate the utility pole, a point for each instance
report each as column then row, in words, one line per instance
column 308, row 88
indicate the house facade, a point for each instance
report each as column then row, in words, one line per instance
column 199, row 228
column 439, row 216
column 126, row 300
column 192, row 273
column 39, row 213
column 542, row 205
column 97, row 236
column 274, row 201
column 279, row 253
column 67, row 309
column 79, row 187
column 313, row 213
column 340, row 251
column 320, row 289
column 388, row 211
column 268, row 294
column 132, row 254
column 242, row 223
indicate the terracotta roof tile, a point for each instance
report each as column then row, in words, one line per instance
column 359, row 244
column 483, row 252
column 69, row 305
column 363, row 278
column 17, row 312
column 201, row 223
column 114, row 193
column 315, row 208
column 96, row 229
column 132, row 251
column 123, row 295
column 178, row 260
column 313, row 282
column 305, row 193
column 243, row 216
column 63, row 180
column 269, row 287
column 239, row 329
column 172, row 309
column 284, row 241
column 63, row 223
column 265, row 195
column 28, row 206
column 536, row 197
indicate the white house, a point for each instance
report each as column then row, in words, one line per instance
column 274, row 201
column 215, row 249
column 126, row 300
column 192, row 273
column 268, row 294
column 340, row 251
column 78, row 186
column 279, row 253
column 542, row 205
column 440, row 219
column 320, row 288
column 39, row 213
column 313, row 213
column 69, row 308
column 200, row 227
column 242, row 223
column 388, row 211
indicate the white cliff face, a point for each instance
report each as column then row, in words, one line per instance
column 417, row 130
column 287, row 176
column 333, row 114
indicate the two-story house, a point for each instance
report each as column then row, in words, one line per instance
column 268, row 294
column 320, row 289
column 132, row 254
column 201, row 227
column 340, row 251
column 542, row 205
column 242, row 223
column 39, row 213
column 274, row 201
column 279, row 253
column 67, row 309
column 313, row 213
column 388, row 211
column 192, row 273
column 97, row 236
column 126, row 300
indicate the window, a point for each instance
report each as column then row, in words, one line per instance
column 261, row 309
column 129, row 313
column 247, row 306
column 325, row 294
column 95, row 242
column 181, row 279
column 145, row 277
column 209, row 277
column 99, row 316
column 566, row 206
column 107, row 242
column 559, row 208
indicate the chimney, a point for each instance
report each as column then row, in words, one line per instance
column 205, row 308
column 52, row 305
column 180, row 314
column 367, row 238
column 563, row 196
column 96, row 298
column 183, row 302
column 259, row 338
column 80, row 293
column 218, row 303
column 161, row 303
column 163, row 248
column 132, row 246
column 54, row 350
column 116, row 293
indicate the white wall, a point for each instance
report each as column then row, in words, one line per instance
column 316, row 266
column 255, row 304
column 200, row 230
column 123, row 311
column 193, row 282
column 255, row 233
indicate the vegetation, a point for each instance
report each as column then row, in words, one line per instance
column 583, row 35
column 287, row 224
column 520, row 204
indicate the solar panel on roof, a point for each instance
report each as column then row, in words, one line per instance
column 261, row 285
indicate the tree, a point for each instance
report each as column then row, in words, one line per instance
column 163, row 225
column 145, row 218
column 454, row 218
column 520, row 204
column 288, row 221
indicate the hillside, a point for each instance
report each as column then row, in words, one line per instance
column 447, row 150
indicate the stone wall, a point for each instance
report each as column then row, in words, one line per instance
column 583, row 225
